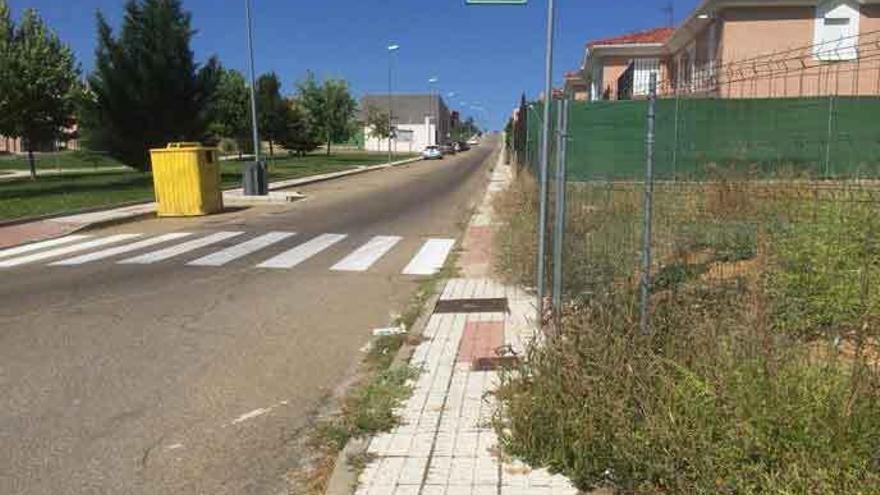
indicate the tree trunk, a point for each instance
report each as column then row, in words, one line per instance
column 31, row 162
column 271, row 153
column 328, row 147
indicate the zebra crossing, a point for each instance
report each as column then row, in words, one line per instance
column 217, row 249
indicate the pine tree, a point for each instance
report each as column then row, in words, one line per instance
column 148, row 90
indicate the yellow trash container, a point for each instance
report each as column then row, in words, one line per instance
column 186, row 180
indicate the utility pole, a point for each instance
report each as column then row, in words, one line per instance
column 255, row 181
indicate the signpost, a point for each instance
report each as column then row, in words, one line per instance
column 545, row 144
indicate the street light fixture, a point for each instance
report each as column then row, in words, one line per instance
column 391, row 49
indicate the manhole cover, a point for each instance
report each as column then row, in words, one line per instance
column 497, row 305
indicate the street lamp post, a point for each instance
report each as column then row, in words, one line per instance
column 254, row 180
column 434, row 111
column 391, row 49
column 545, row 157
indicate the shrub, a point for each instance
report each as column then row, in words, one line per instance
column 761, row 373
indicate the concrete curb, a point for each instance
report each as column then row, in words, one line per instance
column 344, row 478
column 125, row 218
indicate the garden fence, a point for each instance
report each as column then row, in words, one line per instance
column 759, row 188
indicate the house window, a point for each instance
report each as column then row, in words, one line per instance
column 837, row 31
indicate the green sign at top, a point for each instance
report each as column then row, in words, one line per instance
column 496, row 2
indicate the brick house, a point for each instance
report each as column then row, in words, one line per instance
column 723, row 47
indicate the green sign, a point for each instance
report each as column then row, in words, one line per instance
column 496, row 2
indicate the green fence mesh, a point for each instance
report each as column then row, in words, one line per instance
column 815, row 137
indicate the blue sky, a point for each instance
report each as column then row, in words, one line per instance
column 486, row 55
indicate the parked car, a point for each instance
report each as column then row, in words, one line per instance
column 463, row 146
column 447, row 149
column 473, row 141
column 432, row 153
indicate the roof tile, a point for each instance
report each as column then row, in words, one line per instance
column 656, row 35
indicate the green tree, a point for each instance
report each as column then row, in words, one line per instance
column 272, row 110
column 38, row 82
column 7, row 30
column 230, row 109
column 331, row 106
column 378, row 122
column 148, row 89
column 299, row 135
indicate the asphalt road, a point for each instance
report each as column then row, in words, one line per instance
column 166, row 378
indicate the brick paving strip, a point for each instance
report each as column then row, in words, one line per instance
column 445, row 445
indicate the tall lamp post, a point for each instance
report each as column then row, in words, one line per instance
column 391, row 50
column 434, row 110
column 255, row 182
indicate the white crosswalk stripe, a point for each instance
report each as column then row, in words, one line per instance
column 174, row 251
column 115, row 251
column 220, row 258
column 365, row 256
column 297, row 255
column 61, row 251
column 146, row 249
column 27, row 248
column 430, row 258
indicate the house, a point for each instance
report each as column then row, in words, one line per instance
column 16, row 145
column 420, row 120
column 576, row 87
column 746, row 48
column 11, row 145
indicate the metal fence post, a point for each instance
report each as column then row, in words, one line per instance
column 559, row 232
column 645, row 302
column 545, row 158
column 828, row 136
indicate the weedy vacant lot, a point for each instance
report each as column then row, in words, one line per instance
column 761, row 371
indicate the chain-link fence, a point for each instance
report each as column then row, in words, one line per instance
column 759, row 189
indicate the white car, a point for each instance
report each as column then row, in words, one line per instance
column 473, row 142
column 432, row 153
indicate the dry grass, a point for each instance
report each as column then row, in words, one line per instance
column 760, row 374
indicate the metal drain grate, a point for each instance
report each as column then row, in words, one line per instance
column 497, row 305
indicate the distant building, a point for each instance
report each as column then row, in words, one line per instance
column 420, row 120
column 576, row 86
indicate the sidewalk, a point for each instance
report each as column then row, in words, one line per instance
column 445, row 445
column 48, row 228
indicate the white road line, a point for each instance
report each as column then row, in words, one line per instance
column 364, row 257
column 171, row 252
column 297, row 255
column 52, row 253
column 429, row 260
column 41, row 245
column 110, row 252
column 220, row 258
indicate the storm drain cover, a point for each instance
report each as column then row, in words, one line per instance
column 496, row 305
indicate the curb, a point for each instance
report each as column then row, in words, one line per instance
column 70, row 213
column 344, row 478
column 278, row 185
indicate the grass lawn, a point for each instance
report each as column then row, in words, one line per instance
column 56, row 194
column 62, row 159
